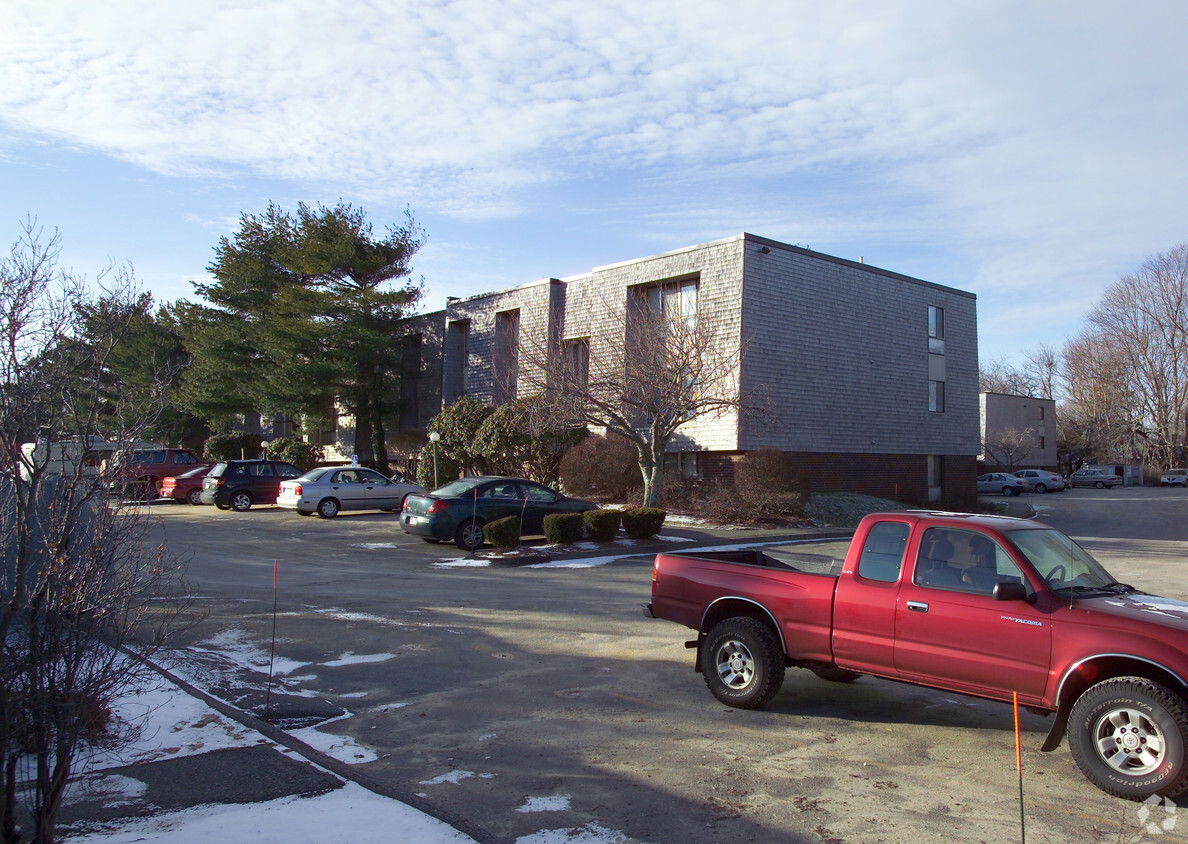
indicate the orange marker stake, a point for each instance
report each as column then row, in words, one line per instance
column 1019, row 768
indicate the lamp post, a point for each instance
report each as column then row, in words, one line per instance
column 263, row 448
column 434, row 438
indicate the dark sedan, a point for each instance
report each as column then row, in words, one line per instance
column 458, row 510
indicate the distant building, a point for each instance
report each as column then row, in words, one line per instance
column 1018, row 432
column 871, row 376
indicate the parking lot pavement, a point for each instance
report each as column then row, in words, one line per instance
column 536, row 701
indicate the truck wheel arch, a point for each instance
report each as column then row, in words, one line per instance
column 730, row 606
column 1092, row 670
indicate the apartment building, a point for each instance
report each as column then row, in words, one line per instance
column 868, row 377
column 1017, row 432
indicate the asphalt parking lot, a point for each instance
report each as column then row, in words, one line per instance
column 481, row 687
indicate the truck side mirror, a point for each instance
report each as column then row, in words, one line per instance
column 1008, row 591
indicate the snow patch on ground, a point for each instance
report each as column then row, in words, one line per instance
column 456, row 777
column 375, row 546
column 373, row 820
column 343, row 748
column 555, row 803
column 451, row 563
column 235, row 647
column 350, row 658
column 591, row 833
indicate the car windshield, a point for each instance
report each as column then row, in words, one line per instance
column 314, row 474
column 458, row 488
column 1060, row 561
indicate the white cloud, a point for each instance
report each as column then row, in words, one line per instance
column 1041, row 144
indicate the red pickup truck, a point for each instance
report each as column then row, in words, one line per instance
column 981, row 605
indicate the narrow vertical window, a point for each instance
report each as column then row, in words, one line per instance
column 936, row 330
column 936, row 396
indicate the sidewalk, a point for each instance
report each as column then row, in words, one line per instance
column 201, row 768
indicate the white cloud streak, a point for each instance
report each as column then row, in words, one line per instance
column 1040, row 141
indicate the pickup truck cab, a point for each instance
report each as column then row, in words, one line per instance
column 980, row 605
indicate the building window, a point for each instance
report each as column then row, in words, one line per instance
column 506, row 360
column 410, row 375
column 1041, row 410
column 936, row 396
column 577, row 364
column 675, row 301
column 457, row 361
column 685, row 465
column 1041, row 443
column 936, row 330
column 936, row 476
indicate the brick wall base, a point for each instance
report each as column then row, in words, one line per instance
column 900, row 477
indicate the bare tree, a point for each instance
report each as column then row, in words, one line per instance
column 1140, row 326
column 1009, row 447
column 76, row 578
column 1098, row 417
column 653, row 372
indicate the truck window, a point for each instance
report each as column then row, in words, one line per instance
column 963, row 561
column 882, row 554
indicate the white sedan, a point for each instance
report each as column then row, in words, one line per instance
column 996, row 482
column 327, row 490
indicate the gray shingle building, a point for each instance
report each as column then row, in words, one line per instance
column 870, row 377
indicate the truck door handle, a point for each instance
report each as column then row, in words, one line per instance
column 917, row 606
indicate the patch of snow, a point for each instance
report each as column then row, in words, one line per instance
column 350, row 658
column 591, row 833
column 374, row 546
column 555, row 803
column 343, row 748
column 451, row 563
column 373, row 820
column 112, row 789
column 234, row 645
column 454, row 777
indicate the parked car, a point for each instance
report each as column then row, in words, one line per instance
column 139, row 474
column 238, row 484
column 1041, row 480
column 328, row 489
column 458, row 510
column 1093, row 477
column 186, row 486
column 996, row 482
column 1174, row 477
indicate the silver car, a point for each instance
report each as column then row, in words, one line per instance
column 1094, row 477
column 996, row 482
column 1041, row 480
column 327, row 490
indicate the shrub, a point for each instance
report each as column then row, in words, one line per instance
column 296, row 451
column 603, row 468
column 563, row 528
column 232, row 447
column 602, row 525
column 520, row 438
column 643, row 522
column 503, row 533
column 767, row 484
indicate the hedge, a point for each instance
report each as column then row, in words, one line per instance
column 503, row 533
column 563, row 528
column 602, row 525
column 643, row 522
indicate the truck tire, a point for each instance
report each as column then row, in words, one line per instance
column 1127, row 736
column 742, row 662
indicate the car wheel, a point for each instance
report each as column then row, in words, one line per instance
column 241, row 502
column 469, row 536
column 1127, row 736
column 1009, row 490
column 1100, row 485
column 327, row 508
column 742, row 662
column 1041, row 488
column 194, row 496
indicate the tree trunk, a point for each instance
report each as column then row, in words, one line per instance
column 379, row 446
column 363, row 430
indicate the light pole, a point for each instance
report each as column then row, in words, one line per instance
column 263, row 448
column 434, row 437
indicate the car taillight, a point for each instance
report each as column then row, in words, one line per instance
column 296, row 489
column 219, row 482
column 438, row 506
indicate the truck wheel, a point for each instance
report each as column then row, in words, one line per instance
column 1127, row 736
column 742, row 662
column 834, row 674
column 469, row 536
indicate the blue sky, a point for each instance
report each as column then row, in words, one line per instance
column 1029, row 153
